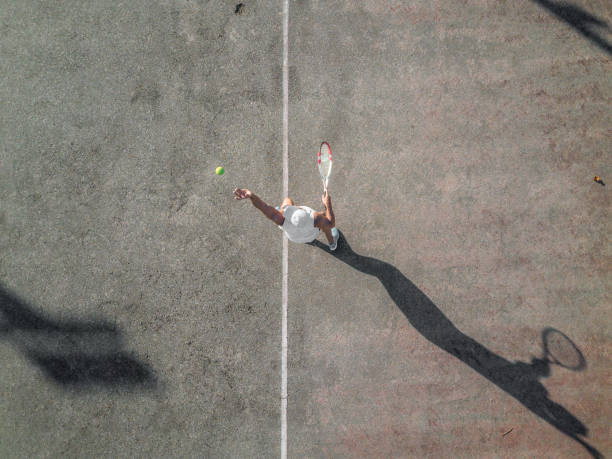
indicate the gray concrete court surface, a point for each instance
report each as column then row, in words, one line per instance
column 140, row 304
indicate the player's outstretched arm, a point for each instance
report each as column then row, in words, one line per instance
column 267, row 210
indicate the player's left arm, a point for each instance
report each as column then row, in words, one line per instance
column 267, row 210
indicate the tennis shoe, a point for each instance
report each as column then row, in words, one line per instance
column 336, row 236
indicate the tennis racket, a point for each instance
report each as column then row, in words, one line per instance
column 324, row 158
column 560, row 350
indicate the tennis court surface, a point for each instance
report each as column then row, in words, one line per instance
column 466, row 310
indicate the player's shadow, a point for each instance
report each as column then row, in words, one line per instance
column 582, row 21
column 75, row 354
column 519, row 379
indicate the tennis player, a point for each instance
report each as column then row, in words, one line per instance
column 300, row 223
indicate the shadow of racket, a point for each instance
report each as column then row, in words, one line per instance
column 559, row 350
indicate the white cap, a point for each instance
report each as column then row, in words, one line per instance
column 299, row 224
column 298, row 217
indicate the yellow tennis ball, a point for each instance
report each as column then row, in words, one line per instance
column 219, row 171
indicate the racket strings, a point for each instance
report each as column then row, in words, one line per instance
column 324, row 158
column 325, row 166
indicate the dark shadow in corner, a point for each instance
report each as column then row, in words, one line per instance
column 518, row 379
column 579, row 19
column 77, row 355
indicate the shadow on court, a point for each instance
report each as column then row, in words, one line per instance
column 73, row 354
column 584, row 22
column 519, row 379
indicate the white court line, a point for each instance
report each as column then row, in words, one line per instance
column 285, row 241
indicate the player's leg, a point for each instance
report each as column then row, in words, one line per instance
column 331, row 232
column 328, row 234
